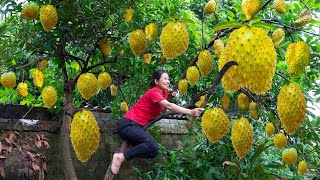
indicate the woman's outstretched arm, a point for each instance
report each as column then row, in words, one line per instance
column 181, row 110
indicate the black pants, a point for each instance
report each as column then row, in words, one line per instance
column 144, row 145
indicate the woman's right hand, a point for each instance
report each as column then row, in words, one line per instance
column 196, row 112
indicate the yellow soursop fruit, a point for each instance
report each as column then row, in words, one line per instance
column 42, row 65
column 22, row 89
column 241, row 136
column 205, row 62
column 269, row 129
column 210, row 7
column 218, row 46
column 8, row 79
column 291, row 107
column 277, row 37
column 124, row 106
column 147, row 58
column 88, row 85
column 105, row 46
column 280, row 140
column 38, row 78
column 137, row 41
column 302, row 167
column 243, row 101
column 183, row 86
column 30, row 11
column 297, row 57
column 128, row 13
column 113, row 89
column 121, row 53
column 279, row 6
column 225, row 101
column 151, row 31
column 215, row 124
column 251, row 7
column 49, row 96
column 104, row 80
column 202, row 99
column 304, row 18
column 48, row 17
column 192, row 75
column 255, row 54
column 290, row 156
column 84, row 134
column 254, row 110
column 174, row 40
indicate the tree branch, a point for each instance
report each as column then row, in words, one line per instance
column 31, row 63
column 305, row 5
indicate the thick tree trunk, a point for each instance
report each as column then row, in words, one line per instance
column 65, row 138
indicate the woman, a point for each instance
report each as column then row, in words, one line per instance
column 146, row 109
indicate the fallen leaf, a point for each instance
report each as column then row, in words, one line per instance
column 12, row 137
column 37, row 143
column 38, row 137
column 2, row 172
column 32, row 157
column 228, row 163
column 17, row 146
column 45, row 144
column 26, row 147
column 44, row 166
column 35, row 166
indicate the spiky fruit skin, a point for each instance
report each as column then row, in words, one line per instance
column 124, row 107
column 291, row 107
column 105, row 46
column 151, row 31
column 174, row 40
column 8, row 79
column 279, row 6
column 251, row 7
column 137, row 41
column 243, row 102
column 49, row 96
column 241, row 136
column 304, row 18
column 48, row 17
column 225, row 101
column 218, row 46
column 104, row 80
column 269, row 129
column 88, row 85
column 280, row 140
column 113, row 89
column 277, row 37
column 42, row 65
column 84, row 134
column 38, row 78
column 163, row 60
column 297, row 57
column 302, row 167
column 22, row 89
column 254, row 110
column 210, row 7
column 255, row 54
column 147, row 58
column 205, row 62
column 215, row 124
column 201, row 100
column 290, row 156
column 30, row 11
column 183, row 86
column 128, row 13
column 193, row 75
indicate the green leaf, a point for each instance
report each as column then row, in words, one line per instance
column 258, row 151
column 188, row 21
column 265, row 25
column 229, row 24
column 256, row 19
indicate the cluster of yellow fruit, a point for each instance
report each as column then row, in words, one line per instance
column 255, row 54
column 84, row 134
column 280, row 140
column 183, row 86
column 304, row 18
column 38, row 78
column 225, row 101
column 104, row 80
column 251, row 7
column 241, row 136
column 269, row 129
column 124, row 106
column 147, row 58
column 254, row 110
column 88, row 85
column 114, row 90
column 205, row 62
column 42, row 65
column 201, row 100
column 277, row 37
column 49, row 96
column 210, row 7
column 30, row 11
column 8, row 79
column 297, row 57
column 137, row 41
column 174, row 39
column 215, row 124
column 218, row 46
column 151, row 31
column 243, row 101
column 128, row 13
column 291, row 107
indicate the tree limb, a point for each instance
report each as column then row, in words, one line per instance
column 31, row 63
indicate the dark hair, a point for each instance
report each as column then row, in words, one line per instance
column 156, row 76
